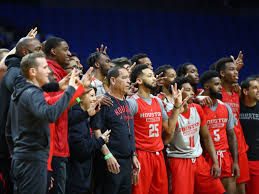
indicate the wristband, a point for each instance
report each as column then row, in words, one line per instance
column 82, row 84
column 108, row 156
column 78, row 100
column 134, row 154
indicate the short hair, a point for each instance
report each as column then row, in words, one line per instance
column 135, row 58
column 179, row 81
column 137, row 71
column 246, row 83
column 121, row 61
column 221, row 63
column 163, row 69
column 182, row 69
column 207, row 76
column 113, row 72
column 29, row 61
column 213, row 67
column 51, row 43
column 23, row 43
column 94, row 57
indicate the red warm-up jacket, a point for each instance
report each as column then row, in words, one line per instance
column 61, row 148
column 51, row 100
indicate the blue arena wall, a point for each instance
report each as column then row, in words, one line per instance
column 168, row 38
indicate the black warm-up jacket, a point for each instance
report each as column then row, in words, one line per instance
column 6, row 89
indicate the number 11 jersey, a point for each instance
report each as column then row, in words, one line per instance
column 186, row 140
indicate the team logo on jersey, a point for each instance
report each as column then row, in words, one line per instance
column 190, row 129
column 151, row 116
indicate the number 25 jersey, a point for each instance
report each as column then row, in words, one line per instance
column 148, row 125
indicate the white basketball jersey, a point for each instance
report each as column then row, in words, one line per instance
column 186, row 141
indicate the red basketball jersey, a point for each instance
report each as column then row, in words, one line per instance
column 217, row 124
column 233, row 102
column 148, row 125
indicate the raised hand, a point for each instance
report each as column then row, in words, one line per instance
column 87, row 77
column 32, row 33
column 105, row 100
column 236, row 88
column 239, row 60
column 106, row 136
column 178, row 99
column 63, row 84
column 92, row 109
column 203, row 100
column 160, row 79
column 177, row 95
column 74, row 80
column 132, row 67
column 102, row 49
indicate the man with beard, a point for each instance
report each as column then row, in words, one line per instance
column 220, row 121
column 229, row 76
column 150, row 118
column 188, row 171
column 101, row 63
column 117, row 159
column 249, row 119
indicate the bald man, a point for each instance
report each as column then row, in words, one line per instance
column 24, row 46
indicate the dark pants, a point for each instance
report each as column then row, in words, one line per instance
column 29, row 176
column 108, row 183
column 58, row 165
column 6, row 185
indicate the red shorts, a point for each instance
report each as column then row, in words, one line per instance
column 244, row 169
column 188, row 176
column 152, row 176
column 225, row 162
column 252, row 185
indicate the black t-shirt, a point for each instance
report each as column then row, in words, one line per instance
column 249, row 119
column 119, row 120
